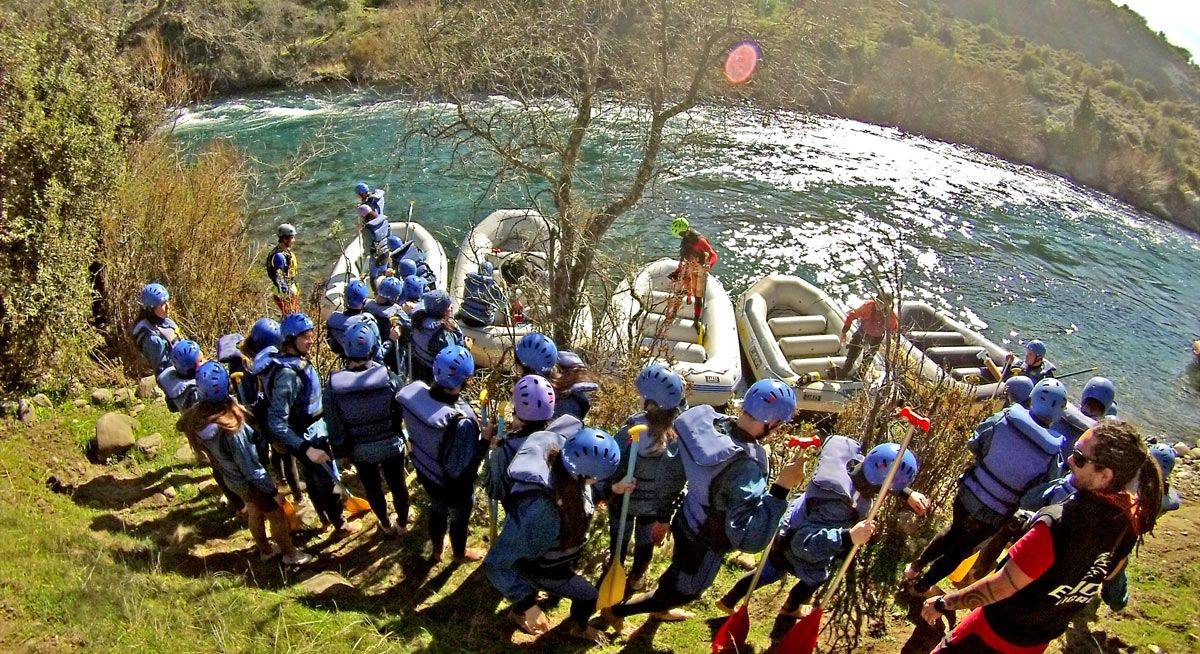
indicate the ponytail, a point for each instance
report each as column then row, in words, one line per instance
column 1121, row 448
column 661, row 423
column 1149, row 495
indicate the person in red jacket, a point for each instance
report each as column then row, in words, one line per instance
column 696, row 258
column 875, row 319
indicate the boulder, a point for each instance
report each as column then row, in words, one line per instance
column 1182, row 448
column 150, row 445
column 328, row 585
column 114, row 434
column 121, row 396
column 77, row 389
column 42, row 400
column 102, row 396
column 9, row 408
column 147, row 388
column 25, row 412
column 185, row 454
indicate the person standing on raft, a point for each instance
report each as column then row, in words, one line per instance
column 282, row 269
column 696, row 259
column 876, row 318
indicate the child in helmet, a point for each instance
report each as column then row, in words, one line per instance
column 178, row 382
column 414, row 287
column 354, row 299
column 822, row 524
column 363, row 421
column 219, row 423
column 546, row 527
column 574, row 386
column 433, row 329
column 391, row 321
column 154, row 332
column 657, row 471
column 446, row 448
column 536, row 354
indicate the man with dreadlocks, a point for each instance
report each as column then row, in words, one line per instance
column 1069, row 550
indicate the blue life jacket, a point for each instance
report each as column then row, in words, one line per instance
column 375, row 200
column 830, row 482
column 530, row 474
column 180, row 390
column 364, row 402
column 645, row 500
column 576, row 401
column 335, row 330
column 1019, row 454
column 707, row 450
column 306, row 408
column 481, row 297
column 1041, row 372
column 425, row 342
column 228, row 350
column 1171, row 500
column 378, row 230
column 1071, row 425
column 383, row 314
column 164, row 329
column 500, row 483
column 431, row 425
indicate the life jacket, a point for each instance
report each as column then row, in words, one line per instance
column 1091, row 536
column 383, row 314
column 707, row 450
column 180, row 390
column 375, row 200
column 481, row 297
column 164, row 329
column 291, row 269
column 1170, row 500
column 530, row 474
column 1071, row 425
column 363, row 400
column 306, row 408
column 577, row 400
column 500, row 483
column 424, row 338
column 431, row 425
column 1040, row 372
column 1020, row 452
column 228, row 350
column 647, row 469
column 378, row 230
column 830, row 482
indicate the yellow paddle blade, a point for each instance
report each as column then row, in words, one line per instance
column 612, row 587
column 289, row 515
column 356, row 506
column 963, row 569
column 483, row 395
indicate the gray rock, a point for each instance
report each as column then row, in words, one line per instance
column 121, row 396
column 147, row 388
column 150, row 445
column 170, row 493
column 1182, row 448
column 77, row 389
column 79, row 402
column 102, row 396
column 185, row 454
column 114, row 434
column 9, row 408
column 328, row 585
column 42, row 400
column 25, row 412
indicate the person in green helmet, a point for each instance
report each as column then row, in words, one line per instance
column 696, row 258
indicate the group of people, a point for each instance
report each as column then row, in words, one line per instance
column 1074, row 487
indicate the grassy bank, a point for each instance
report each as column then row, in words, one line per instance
column 98, row 558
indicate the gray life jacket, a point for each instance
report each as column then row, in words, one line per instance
column 647, row 469
column 1020, row 452
column 430, row 424
column 165, row 329
column 577, row 400
column 530, row 474
column 180, row 391
column 500, row 483
column 1071, row 425
column 363, row 401
column 306, row 408
column 481, row 297
column 706, row 451
column 830, row 482
column 227, row 348
column 378, row 231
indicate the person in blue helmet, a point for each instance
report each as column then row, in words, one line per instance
column 446, row 448
column 391, row 321
column 574, row 386
column 546, row 528
column 408, row 259
column 154, row 332
column 178, row 381
column 822, row 525
column 221, row 425
column 1098, row 395
column 362, row 417
column 354, row 299
column 536, row 354
column 433, row 329
column 414, row 287
column 657, row 471
column 375, row 231
column 533, row 403
column 295, row 416
column 1035, row 366
column 1016, row 454
column 481, row 297
column 370, row 197
column 283, row 269
column 728, row 505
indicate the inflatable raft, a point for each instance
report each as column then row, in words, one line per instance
column 949, row 352
column 789, row 329
column 668, row 333
column 512, row 241
column 349, row 264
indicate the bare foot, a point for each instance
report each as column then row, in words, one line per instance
column 673, row 615
column 469, row 555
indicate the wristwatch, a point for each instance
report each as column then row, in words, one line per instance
column 940, row 604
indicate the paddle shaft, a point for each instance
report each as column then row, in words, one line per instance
column 1077, row 372
column 633, row 452
column 762, row 562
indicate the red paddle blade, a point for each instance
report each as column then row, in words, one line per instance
column 732, row 635
column 802, row 637
column 804, row 442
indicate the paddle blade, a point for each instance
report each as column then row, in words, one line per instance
column 289, row 515
column 612, row 587
column 356, row 506
column 802, row 637
column 963, row 569
column 732, row 635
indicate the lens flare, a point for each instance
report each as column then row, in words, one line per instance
column 742, row 61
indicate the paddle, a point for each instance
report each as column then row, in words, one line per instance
column 1078, row 372
column 612, row 587
column 289, row 515
column 493, row 503
column 960, row 573
column 802, row 637
column 355, row 506
column 732, row 634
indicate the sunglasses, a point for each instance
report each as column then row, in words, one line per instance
column 1080, row 459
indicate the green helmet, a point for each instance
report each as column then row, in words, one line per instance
column 679, row 226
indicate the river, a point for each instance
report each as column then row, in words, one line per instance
column 1011, row 250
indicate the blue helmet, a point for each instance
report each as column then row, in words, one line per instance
column 591, row 453
column 453, row 366
column 359, row 342
column 414, row 286
column 770, row 400
column 394, row 243
column 1037, row 347
column 1100, row 389
column 153, row 295
column 407, row 267
column 537, row 352
column 361, row 188
column 659, row 384
column 212, row 382
column 295, row 324
column 185, row 356
column 880, row 459
column 1048, row 399
column 1165, row 456
column 265, row 333
column 437, row 303
column 390, row 289
column 1018, row 389
column 356, row 294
